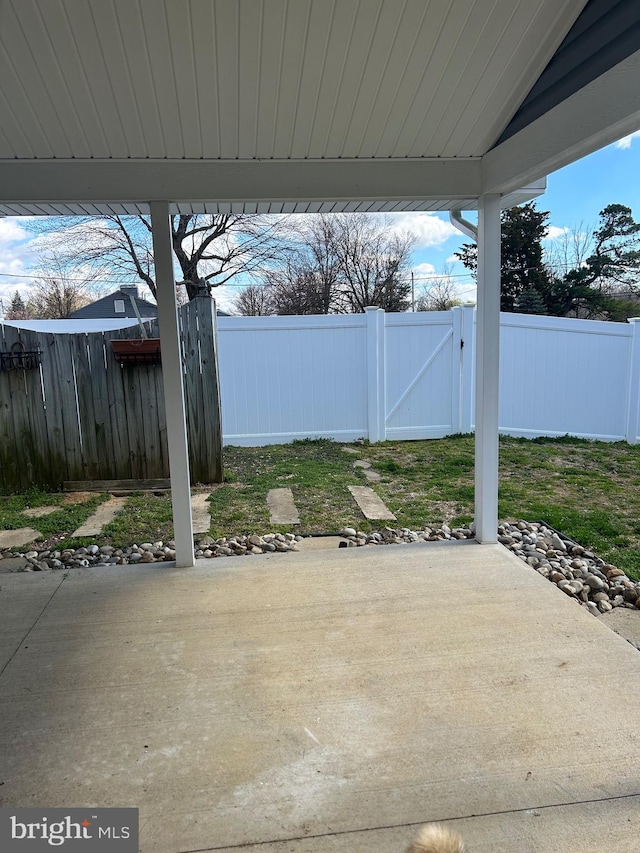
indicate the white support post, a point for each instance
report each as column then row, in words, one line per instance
column 173, row 384
column 376, row 397
column 487, row 369
column 632, row 429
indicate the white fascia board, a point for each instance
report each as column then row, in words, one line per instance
column 78, row 181
column 602, row 112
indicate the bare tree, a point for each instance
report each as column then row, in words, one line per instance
column 56, row 298
column 342, row 263
column 210, row 249
column 440, row 295
column 373, row 263
column 570, row 250
column 254, row 301
column 55, row 295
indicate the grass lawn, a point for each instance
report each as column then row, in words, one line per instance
column 590, row 491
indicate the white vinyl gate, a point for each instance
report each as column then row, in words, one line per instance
column 408, row 376
column 371, row 375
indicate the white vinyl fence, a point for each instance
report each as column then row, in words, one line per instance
column 407, row 376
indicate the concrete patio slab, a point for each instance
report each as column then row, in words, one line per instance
column 323, row 701
column 371, row 505
column 282, row 508
column 105, row 513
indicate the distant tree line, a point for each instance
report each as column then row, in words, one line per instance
column 594, row 275
column 336, row 263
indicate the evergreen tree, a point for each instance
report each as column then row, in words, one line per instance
column 522, row 263
column 17, row 308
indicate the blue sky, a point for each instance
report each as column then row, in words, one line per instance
column 575, row 196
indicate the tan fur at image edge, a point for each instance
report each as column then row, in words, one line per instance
column 436, row 839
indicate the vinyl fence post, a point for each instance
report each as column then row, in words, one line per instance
column 633, row 389
column 466, row 368
column 376, row 397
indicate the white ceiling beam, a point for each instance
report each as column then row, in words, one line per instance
column 600, row 113
column 59, row 181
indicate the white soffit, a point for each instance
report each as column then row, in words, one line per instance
column 377, row 102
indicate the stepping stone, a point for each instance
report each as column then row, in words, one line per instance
column 350, row 450
column 105, row 513
column 367, row 470
column 17, row 538
column 39, row 511
column 282, row 507
column 200, row 513
column 370, row 504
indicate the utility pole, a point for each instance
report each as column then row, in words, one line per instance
column 413, row 293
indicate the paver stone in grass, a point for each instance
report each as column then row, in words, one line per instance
column 17, row 538
column 282, row 507
column 105, row 513
column 371, row 505
column 39, row 511
column 200, row 513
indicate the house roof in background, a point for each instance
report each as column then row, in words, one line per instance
column 106, row 307
column 270, row 106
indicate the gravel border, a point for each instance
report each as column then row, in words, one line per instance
column 579, row 573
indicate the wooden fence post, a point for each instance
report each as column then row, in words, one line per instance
column 202, row 392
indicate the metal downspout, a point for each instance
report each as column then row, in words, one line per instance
column 462, row 224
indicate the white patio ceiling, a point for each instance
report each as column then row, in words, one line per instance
column 269, row 105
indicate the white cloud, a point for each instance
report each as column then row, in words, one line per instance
column 625, row 142
column 424, row 270
column 430, row 230
column 16, row 258
column 554, row 232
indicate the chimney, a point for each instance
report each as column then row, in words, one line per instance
column 130, row 290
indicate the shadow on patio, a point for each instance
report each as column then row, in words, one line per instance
column 323, row 701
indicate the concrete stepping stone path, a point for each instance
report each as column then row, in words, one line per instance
column 200, row 513
column 371, row 505
column 282, row 507
column 367, row 470
column 39, row 511
column 105, row 513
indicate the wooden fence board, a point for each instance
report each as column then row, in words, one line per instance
column 86, row 411
column 40, row 462
column 98, row 420
column 115, row 379
column 53, row 414
column 102, row 427
column 209, row 391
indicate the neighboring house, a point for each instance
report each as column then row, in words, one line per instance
column 117, row 305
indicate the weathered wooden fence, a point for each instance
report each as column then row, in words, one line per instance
column 80, row 415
